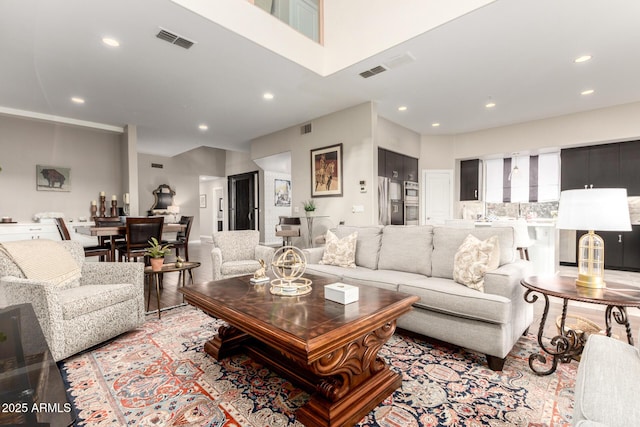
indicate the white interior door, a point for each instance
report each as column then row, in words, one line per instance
column 437, row 195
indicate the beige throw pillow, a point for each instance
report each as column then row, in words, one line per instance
column 341, row 252
column 473, row 259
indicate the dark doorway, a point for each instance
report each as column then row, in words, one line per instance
column 243, row 201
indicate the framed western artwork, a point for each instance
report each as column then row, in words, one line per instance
column 326, row 171
column 53, row 178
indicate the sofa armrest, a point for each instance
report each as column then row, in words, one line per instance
column 314, row 255
column 216, row 263
column 43, row 296
column 264, row 253
column 505, row 280
column 105, row 273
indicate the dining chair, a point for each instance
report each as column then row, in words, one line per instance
column 182, row 238
column 139, row 231
column 103, row 252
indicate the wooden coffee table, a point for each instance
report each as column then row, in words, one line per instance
column 328, row 348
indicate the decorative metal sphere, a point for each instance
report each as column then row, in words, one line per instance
column 289, row 263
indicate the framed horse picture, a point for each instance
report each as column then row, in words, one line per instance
column 326, row 171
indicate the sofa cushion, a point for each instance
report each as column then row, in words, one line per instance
column 89, row 298
column 473, row 259
column 340, row 252
column 367, row 244
column 607, row 383
column 407, row 248
column 385, row 279
column 447, row 240
column 446, row 296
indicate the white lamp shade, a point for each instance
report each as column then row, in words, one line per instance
column 602, row 209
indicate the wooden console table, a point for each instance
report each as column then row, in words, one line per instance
column 568, row 344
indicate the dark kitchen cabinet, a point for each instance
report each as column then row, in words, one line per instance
column 470, row 180
column 595, row 166
column 396, row 166
column 621, row 248
column 630, row 167
column 410, row 169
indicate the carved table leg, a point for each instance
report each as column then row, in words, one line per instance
column 227, row 341
column 354, row 380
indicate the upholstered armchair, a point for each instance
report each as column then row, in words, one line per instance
column 236, row 253
column 103, row 300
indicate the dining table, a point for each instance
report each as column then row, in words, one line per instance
column 121, row 229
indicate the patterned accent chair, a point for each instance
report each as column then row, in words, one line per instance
column 236, row 253
column 106, row 301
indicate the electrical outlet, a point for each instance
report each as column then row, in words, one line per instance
column 296, row 209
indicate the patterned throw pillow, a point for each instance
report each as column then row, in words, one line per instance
column 341, row 252
column 474, row 258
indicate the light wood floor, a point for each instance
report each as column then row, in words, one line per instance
column 169, row 295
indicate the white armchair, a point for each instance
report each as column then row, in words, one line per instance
column 237, row 253
column 106, row 301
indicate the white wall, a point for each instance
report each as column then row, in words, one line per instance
column 94, row 157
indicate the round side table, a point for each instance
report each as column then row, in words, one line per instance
column 154, row 276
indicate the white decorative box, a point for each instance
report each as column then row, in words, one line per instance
column 340, row 292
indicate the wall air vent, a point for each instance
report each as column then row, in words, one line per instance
column 372, row 72
column 305, row 129
column 172, row 38
column 157, row 165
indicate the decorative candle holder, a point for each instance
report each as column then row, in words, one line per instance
column 114, row 208
column 103, row 207
column 125, row 209
column 94, row 210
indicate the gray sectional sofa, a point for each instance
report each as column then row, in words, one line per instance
column 419, row 260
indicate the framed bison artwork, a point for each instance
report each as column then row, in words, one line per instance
column 326, row 171
column 53, row 178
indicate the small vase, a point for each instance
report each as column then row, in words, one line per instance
column 156, row 263
column 308, row 213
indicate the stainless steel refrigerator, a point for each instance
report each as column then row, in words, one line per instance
column 390, row 207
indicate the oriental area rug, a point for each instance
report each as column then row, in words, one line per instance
column 159, row 375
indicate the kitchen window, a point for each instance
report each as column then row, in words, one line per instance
column 523, row 179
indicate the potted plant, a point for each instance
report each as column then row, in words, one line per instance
column 309, row 206
column 156, row 252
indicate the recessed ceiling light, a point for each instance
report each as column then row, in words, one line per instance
column 583, row 58
column 490, row 104
column 268, row 95
column 402, row 108
column 203, row 127
column 77, row 100
column 435, row 125
column 587, row 92
column 110, row 42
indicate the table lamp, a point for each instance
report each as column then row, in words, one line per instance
column 174, row 211
column 603, row 209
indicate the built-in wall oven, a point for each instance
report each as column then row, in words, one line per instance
column 411, row 206
column 411, row 193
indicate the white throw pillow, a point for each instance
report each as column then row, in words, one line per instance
column 473, row 259
column 341, row 252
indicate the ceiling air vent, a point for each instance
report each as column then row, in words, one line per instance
column 372, row 72
column 172, row 38
column 304, row 129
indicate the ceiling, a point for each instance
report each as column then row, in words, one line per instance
column 517, row 53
